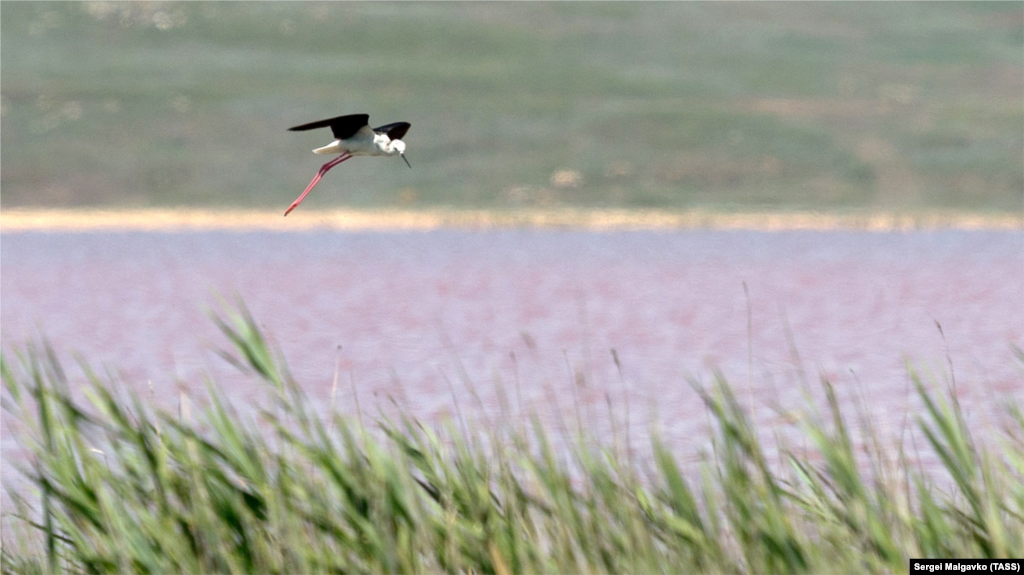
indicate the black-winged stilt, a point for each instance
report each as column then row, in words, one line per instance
column 354, row 137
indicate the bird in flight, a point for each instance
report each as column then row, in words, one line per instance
column 353, row 136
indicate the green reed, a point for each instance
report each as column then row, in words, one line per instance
column 122, row 488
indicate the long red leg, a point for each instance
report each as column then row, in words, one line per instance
column 316, row 178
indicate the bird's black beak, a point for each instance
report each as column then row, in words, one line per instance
column 406, row 161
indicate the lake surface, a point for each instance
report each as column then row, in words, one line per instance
column 449, row 321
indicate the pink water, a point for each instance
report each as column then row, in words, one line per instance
column 423, row 316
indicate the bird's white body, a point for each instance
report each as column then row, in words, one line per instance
column 365, row 142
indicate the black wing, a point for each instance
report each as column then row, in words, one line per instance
column 394, row 131
column 343, row 127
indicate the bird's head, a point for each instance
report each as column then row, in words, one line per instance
column 398, row 147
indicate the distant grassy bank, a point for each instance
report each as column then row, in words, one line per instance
column 124, row 489
column 593, row 219
column 712, row 106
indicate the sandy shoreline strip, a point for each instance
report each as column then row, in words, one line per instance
column 60, row 220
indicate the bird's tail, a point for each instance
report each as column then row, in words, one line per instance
column 332, row 148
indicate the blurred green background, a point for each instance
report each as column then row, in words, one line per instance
column 758, row 105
